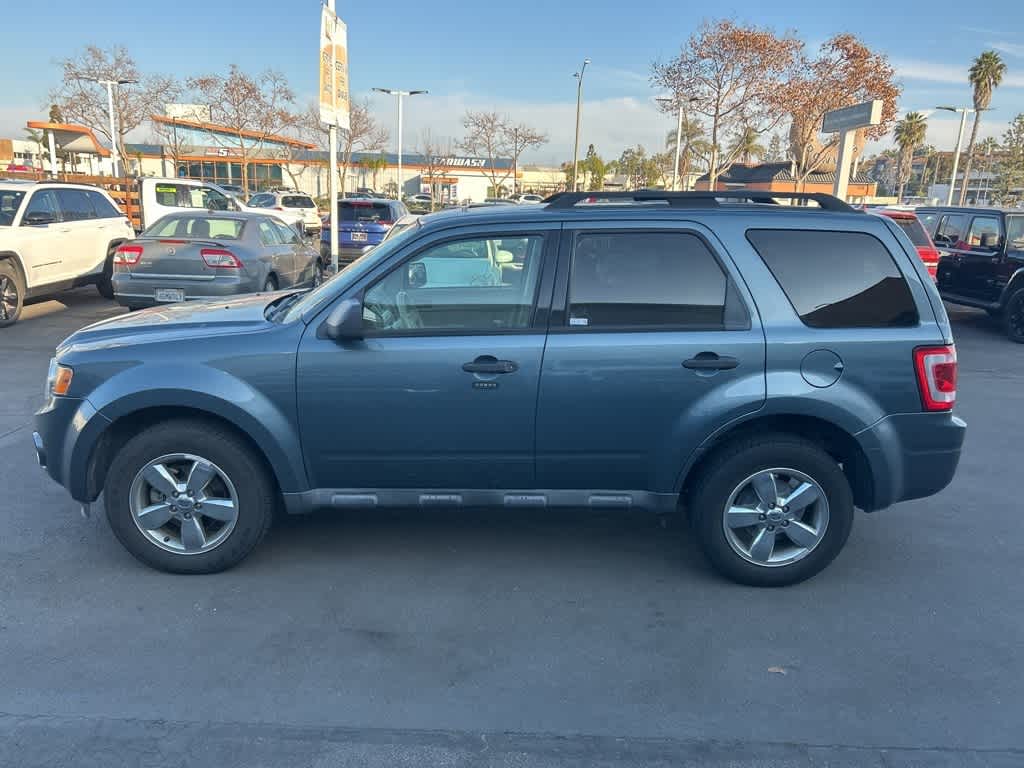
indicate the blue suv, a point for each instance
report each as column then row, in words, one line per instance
column 762, row 369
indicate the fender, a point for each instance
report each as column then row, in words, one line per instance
column 268, row 419
column 14, row 257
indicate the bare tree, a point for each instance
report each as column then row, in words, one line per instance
column 251, row 109
column 732, row 72
column 494, row 136
column 844, row 73
column 175, row 139
column 364, row 134
column 434, row 150
column 81, row 99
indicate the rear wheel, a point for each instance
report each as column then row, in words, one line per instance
column 772, row 511
column 1013, row 317
column 105, row 283
column 12, row 293
column 318, row 274
column 270, row 284
column 188, row 497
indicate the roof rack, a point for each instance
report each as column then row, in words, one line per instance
column 563, row 200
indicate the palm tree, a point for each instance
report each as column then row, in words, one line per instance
column 746, row 146
column 985, row 75
column 910, row 133
column 694, row 146
column 39, row 137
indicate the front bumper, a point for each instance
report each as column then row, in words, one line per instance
column 912, row 455
column 66, row 429
column 139, row 291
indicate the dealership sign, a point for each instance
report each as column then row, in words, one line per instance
column 334, row 98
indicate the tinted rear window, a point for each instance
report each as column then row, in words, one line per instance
column 297, row 201
column 365, row 212
column 837, row 279
column 914, row 231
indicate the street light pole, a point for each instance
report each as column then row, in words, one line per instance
column 400, row 95
column 576, row 145
column 332, row 160
column 679, row 131
column 956, row 153
column 110, row 111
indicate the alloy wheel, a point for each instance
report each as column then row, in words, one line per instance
column 8, row 298
column 776, row 517
column 184, row 503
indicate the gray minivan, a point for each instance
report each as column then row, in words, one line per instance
column 761, row 369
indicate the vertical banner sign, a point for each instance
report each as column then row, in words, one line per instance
column 334, row 104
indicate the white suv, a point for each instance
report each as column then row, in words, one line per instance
column 55, row 236
column 290, row 200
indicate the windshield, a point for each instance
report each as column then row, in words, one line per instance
column 329, row 289
column 365, row 212
column 10, row 200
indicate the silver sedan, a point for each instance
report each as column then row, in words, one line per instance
column 203, row 255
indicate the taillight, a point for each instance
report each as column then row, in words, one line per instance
column 219, row 258
column 126, row 255
column 385, row 223
column 936, row 377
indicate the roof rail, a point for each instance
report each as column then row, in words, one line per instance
column 563, row 200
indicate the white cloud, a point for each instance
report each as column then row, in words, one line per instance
column 1014, row 49
column 936, row 72
column 942, row 132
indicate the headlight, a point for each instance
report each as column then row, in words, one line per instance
column 58, row 379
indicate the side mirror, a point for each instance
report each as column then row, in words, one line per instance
column 416, row 275
column 990, row 240
column 345, row 323
column 39, row 218
column 504, row 257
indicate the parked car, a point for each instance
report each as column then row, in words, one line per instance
column 290, row 200
column 420, row 203
column 55, row 236
column 234, row 190
column 982, row 261
column 160, row 197
column 526, row 198
column 201, row 255
column 909, row 223
column 364, row 224
column 763, row 369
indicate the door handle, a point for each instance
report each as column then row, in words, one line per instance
column 490, row 364
column 709, row 361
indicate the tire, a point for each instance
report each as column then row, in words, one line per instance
column 318, row 274
column 270, row 284
column 1013, row 317
column 105, row 284
column 247, row 496
column 727, row 482
column 12, row 293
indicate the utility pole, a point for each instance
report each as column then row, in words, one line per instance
column 515, row 157
column 956, row 152
column 576, row 146
column 679, row 101
column 332, row 151
column 400, row 95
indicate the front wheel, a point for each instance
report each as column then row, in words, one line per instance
column 772, row 511
column 12, row 294
column 188, row 497
column 1013, row 317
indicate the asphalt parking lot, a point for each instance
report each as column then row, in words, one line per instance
column 500, row 640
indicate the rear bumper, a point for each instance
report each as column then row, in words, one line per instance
column 133, row 291
column 912, row 455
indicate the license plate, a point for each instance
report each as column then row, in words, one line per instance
column 358, row 237
column 169, row 295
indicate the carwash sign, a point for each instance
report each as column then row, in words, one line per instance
column 460, row 162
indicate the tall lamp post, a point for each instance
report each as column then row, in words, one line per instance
column 400, row 95
column 576, row 146
column 668, row 101
column 110, row 111
column 964, row 111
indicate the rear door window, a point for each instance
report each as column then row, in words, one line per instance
column 102, row 206
column 837, row 279
column 645, row 279
column 75, row 205
column 288, row 235
column 268, row 233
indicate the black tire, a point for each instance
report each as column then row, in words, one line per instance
column 996, row 313
column 1013, row 317
column 319, row 273
column 12, row 293
column 105, row 284
column 270, row 284
column 730, row 467
column 257, row 498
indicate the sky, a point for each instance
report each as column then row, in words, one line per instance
column 516, row 57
